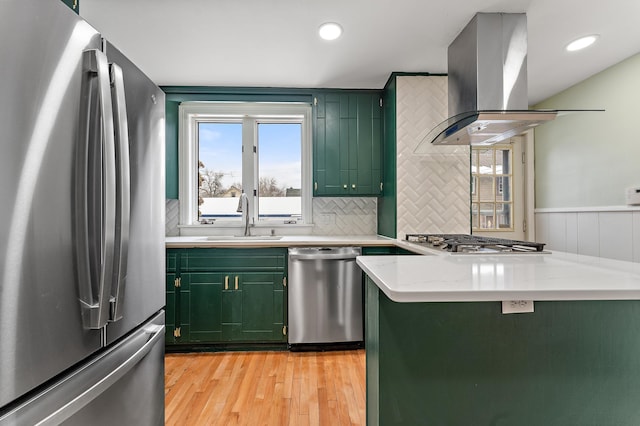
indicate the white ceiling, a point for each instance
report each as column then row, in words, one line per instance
column 274, row 43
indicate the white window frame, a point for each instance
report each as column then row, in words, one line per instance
column 251, row 113
column 498, row 182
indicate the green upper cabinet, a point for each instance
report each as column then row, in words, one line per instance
column 347, row 143
column 73, row 4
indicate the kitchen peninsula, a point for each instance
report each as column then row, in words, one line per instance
column 440, row 351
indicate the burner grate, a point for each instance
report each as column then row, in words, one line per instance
column 463, row 242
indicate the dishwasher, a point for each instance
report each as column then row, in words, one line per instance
column 325, row 297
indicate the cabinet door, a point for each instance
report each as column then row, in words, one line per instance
column 171, row 294
column 365, row 152
column 205, row 306
column 177, row 309
column 263, row 306
column 347, row 144
column 73, row 4
column 331, row 144
column 170, row 308
column 232, row 307
column 253, row 310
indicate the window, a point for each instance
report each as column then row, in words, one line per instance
column 492, row 183
column 261, row 149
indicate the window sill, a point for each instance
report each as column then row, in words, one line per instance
column 261, row 229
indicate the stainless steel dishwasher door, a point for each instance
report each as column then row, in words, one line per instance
column 325, row 295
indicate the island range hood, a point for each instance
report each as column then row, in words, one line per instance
column 487, row 84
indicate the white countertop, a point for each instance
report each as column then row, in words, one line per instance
column 285, row 241
column 446, row 277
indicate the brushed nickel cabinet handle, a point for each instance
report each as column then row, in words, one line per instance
column 226, row 282
column 236, row 282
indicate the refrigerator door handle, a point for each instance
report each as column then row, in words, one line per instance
column 123, row 191
column 139, row 346
column 95, row 198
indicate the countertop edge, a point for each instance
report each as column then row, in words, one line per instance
column 294, row 241
column 434, row 292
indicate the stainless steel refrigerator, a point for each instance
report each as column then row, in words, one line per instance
column 81, row 225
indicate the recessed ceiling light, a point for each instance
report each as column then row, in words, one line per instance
column 582, row 42
column 330, row 31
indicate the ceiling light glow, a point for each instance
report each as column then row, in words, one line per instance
column 330, row 31
column 581, row 43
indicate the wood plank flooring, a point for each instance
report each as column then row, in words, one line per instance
column 265, row 388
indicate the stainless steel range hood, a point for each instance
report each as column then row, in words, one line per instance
column 488, row 84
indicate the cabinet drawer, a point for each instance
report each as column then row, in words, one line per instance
column 242, row 260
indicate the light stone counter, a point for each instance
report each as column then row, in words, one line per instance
column 449, row 277
column 284, row 241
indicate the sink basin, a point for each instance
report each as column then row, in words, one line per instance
column 243, row 238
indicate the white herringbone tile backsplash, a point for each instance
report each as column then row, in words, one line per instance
column 172, row 217
column 433, row 189
column 331, row 216
column 345, row 216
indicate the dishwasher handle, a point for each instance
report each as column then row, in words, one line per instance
column 324, row 253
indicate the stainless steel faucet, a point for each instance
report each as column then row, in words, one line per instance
column 243, row 207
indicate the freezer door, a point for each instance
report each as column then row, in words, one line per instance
column 41, row 330
column 141, row 275
column 122, row 386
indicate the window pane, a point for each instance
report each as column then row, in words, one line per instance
column 279, row 170
column 503, row 216
column 486, row 188
column 503, row 188
column 487, row 216
column 503, row 163
column 220, row 169
column 486, row 161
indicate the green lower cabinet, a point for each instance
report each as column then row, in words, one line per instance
column 245, row 303
column 384, row 250
column 177, row 309
column 73, row 4
column 253, row 308
column 205, row 306
column 465, row 363
column 170, row 310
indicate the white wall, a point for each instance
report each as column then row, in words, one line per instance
column 585, row 162
column 589, row 159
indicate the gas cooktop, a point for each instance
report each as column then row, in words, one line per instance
column 465, row 243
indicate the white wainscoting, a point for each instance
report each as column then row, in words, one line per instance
column 611, row 232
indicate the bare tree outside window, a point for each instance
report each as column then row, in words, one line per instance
column 269, row 187
column 211, row 183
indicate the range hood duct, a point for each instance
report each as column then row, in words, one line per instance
column 487, row 84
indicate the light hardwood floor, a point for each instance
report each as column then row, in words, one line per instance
column 265, row 388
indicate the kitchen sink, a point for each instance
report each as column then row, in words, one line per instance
column 243, row 237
